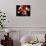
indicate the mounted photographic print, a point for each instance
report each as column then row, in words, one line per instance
column 23, row 10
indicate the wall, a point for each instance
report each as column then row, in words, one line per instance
column 36, row 22
column 37, row 18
